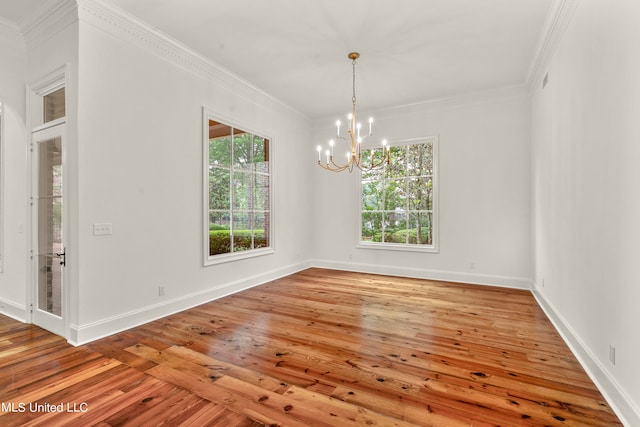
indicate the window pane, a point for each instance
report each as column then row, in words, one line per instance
column 260, row 154
column 219, row 220
column 372, row 196
column 395, row 195
column 420, row 228
column 219, row 233
column 53, row 105
column 220, row 152
column 260, row 192
column 261, row 230
column 242, row 235
column 219, row 191
column 371, row 226
column 396, row 167
column 420, row 194
column 395, row 230
column 420, row 159
column 242, row 199
column 378, row 159
column 242, row 150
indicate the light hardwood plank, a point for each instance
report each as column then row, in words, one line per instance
column 320, row 347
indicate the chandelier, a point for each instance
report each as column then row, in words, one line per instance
column 355, row 136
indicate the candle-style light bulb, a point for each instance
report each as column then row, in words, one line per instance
column 319, row 153
column 331, row 144
column 358, row 126
column 327, row 152
column 370, row 125
column 386, row 152
column 338, row 126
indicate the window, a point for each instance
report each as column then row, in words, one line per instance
column 398, row 202
column 53, row 105
column 238, row 193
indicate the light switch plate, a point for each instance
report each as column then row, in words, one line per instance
column 102, row 229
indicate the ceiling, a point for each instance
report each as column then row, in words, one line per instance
column 17, row 12
column 411, row 50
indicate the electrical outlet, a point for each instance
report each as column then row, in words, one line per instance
column 160, row 291
column 612, row 354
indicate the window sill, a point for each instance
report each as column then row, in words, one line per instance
column 236, row 256
column 398, row 247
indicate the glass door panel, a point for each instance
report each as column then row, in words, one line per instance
column 50, row 256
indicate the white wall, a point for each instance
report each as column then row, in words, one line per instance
column 586, row 146
column 14, row 232
column 484, row 193
column 140, row 168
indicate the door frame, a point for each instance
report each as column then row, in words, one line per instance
column 57, row 325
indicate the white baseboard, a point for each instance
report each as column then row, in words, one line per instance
column 13, row 310
column 82, row 334
column 617, row 399
column 448, row 276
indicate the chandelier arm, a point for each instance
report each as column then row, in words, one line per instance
column 337, row 166
column 333, row 169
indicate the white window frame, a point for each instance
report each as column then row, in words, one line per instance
column 434, row 247
column 232, row 256
column 48, row 84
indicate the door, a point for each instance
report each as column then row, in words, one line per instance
column 49, row 251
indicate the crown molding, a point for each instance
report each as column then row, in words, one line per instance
column 47, row 20
column 556, row 23
column 129, row 28
column 489, row 96
column 10, row 33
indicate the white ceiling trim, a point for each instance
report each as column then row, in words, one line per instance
column 490, row 96
column 129, row 28
column 9, row 32
column 558, row 19
column 47, row 21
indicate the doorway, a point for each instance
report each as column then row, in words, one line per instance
column 48, row 213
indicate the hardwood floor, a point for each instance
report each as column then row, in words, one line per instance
column 320, row 347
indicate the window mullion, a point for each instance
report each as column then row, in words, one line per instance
column 231, row 191
column 406, row 192
column 251, row 191
column 385, row 181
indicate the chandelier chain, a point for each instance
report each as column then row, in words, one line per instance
column 353, row 98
